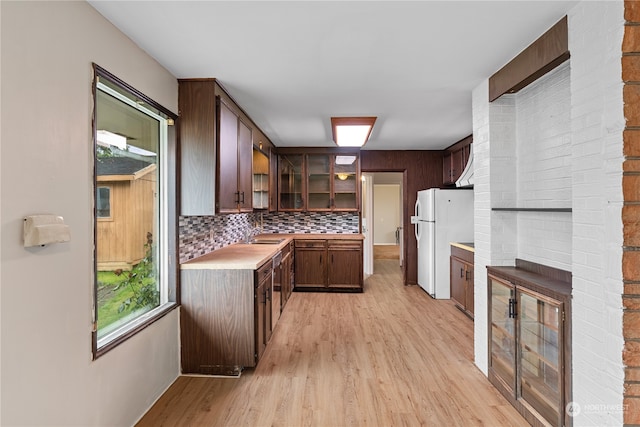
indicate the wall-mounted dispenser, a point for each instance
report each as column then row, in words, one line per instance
column 40, row 230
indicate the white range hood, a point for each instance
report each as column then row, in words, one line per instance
column 466, row 179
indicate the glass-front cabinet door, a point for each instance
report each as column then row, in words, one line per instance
column 540, row 357
column 345, row 182
column 319, row 182
column 260, row 180
column 290, row 173
column 503, row 329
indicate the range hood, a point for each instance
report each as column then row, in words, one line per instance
column 466, row 179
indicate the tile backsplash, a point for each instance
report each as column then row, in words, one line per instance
column 202, row 234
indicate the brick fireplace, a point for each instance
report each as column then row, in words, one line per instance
column 631, row 211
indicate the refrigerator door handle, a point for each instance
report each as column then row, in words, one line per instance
column 416, row 220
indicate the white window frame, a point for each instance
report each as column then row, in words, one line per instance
column 113, row 338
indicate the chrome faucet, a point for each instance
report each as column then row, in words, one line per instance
column 248, row 234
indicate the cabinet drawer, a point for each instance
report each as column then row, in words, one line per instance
column 345, row 244
column 311, row 244
column 263, row 272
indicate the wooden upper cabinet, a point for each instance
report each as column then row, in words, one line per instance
column 455, row 159
column 197, row 141
column 319, row 197
column 235, row 159
column 261, row 179
column 228, row 196
column 216, row 150
column 273, row 180
column 319, row 180
column 245, row 167
column 290, row 182
column 346, row 183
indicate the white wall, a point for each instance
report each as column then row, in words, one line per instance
column 597, row 122
column 386, row 213
column 543, row 136
column 583, row 167
column 48, row 377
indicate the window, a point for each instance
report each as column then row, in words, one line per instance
column 134, row 221
column 103, row 202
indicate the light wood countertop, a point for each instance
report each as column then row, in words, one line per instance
column 244, row 256
column 466, row 246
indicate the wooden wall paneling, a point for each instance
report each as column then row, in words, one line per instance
column 543, row 55
column 422, row 169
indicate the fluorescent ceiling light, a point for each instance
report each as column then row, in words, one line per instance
column 345, row 160
column 351, row 131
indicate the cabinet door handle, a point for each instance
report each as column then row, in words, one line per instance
column 242, row 202
column 237, row 196
column 466, row 275
column 512, row 308
column 461, row 273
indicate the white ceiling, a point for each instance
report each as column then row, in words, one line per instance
column 292, row 65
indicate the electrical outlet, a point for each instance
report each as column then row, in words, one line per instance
column 211, row 234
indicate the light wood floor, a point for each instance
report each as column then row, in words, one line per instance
column 386, row 251
column 391, row 356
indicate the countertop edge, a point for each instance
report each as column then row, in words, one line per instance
column 464, row 246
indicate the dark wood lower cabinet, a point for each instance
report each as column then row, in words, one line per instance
column 345, row 264
column 530, row 340
column 282, row 283
column 328, row 265
column 286, row 268
column 225, row 319
column 263, row 307
column 311, row 267
column 462, row 280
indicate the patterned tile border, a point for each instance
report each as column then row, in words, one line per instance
column 201, row 234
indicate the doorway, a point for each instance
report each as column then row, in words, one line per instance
column 382, row 216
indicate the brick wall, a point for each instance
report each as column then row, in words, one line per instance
column 482, row 218
column 597, row 122
column 590, row 177
column 631, row 211
column 543, row 136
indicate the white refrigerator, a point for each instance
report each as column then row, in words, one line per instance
column 441, row 216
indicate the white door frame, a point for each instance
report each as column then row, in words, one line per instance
column 367, row 222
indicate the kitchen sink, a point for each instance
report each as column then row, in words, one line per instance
column 263, row 241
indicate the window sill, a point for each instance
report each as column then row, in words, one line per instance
column 120, row 335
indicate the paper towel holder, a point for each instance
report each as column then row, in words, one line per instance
column 40, row 230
